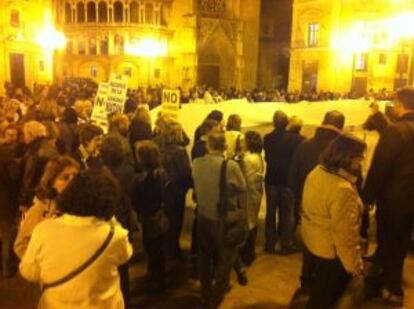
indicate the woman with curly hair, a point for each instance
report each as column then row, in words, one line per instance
column 58, row 173
column 75, row 257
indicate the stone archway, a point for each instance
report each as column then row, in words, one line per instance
column 217, row 60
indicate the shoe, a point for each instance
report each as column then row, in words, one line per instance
column 390, row 299
column 301, row 296
column 242, row 278
column 288, row 250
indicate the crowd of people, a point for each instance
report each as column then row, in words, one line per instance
column 72, row 196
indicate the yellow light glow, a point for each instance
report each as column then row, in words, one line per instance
column 361, row 37
column 49, row 38
column 146, row 47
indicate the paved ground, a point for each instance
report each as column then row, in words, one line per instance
column 272, row 282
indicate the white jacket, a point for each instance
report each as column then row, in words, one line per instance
column 331, row 217
column 59, row 246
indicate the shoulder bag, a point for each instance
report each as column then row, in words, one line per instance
column 233, row 226
column 84, row 266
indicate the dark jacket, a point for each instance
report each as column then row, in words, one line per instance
column 199, row 149
column 124, row 173
column 34, row 161
column 68, row 140
column 390, row 180
column 176, row 164
column 376, row 122
column 8, row 183
column 279, row 148
column 306, row 158
column 91, row 162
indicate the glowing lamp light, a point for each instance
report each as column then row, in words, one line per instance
column 49, row 38
column 146, row 47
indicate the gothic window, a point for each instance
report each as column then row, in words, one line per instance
column 103, row 12
column 81, row 47
column 92, row 46
column 149, row 13
column 91, row 11
column 134, row 12
column 104, row 46
column 118, row 12
column 68, row 13
column 69, row 47
column 119, row 45
column 213, row 8
column 313, row 34
column 15, row 18
column 80, row 8
column 402, row 63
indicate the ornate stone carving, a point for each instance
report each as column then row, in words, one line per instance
column 212, row 8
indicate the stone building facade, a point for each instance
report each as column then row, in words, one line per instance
column 170, row 42
column 351, row 46
column 210, row 42
column 23, row 61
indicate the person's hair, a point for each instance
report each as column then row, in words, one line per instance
column 93, row 192
column 148, row 155
column 54, row 167
column 295, row 124
column 88, row 132
column 334, row 118
column 207, row 126
column 340, row 152
column 216, row 142
column 112, row 150
column 35, row 129
column 254, row 142
column 406, row 97
column 70, row 116
column 171, row 133
column 215, row 115
column 142, row 115
column 280, row 120
column 234, row 123
column 119, row 123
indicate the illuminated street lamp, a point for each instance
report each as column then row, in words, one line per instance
column 148, row 48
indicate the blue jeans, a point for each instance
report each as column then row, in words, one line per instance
column 280, row 200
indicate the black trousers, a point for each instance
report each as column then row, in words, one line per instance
column 215, row 262
column 393, row 245
column 248, row 251
column 308, row 269
column 329, row 282
column 156, row 260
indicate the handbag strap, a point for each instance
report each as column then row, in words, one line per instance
column 85, row 265
column 223, row 194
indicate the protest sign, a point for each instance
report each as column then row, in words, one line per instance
column 170, row 102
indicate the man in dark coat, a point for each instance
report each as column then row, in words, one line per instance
column 279, row 146
column 305, row 159
column 390, row 183
column 38, row 153
column 8, row 197
column 376, row 121
column 87, row 155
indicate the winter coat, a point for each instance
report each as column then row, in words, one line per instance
column 46, row 260
column 68, row 141
column 39, row 211
column 306, row 158
column 331, row 217
column 8, row 183
column 390, row 180
column 34, row 161
column 279, row 148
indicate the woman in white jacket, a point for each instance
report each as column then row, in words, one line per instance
column 60, row 246
column 254, row 171
column 331, row 220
